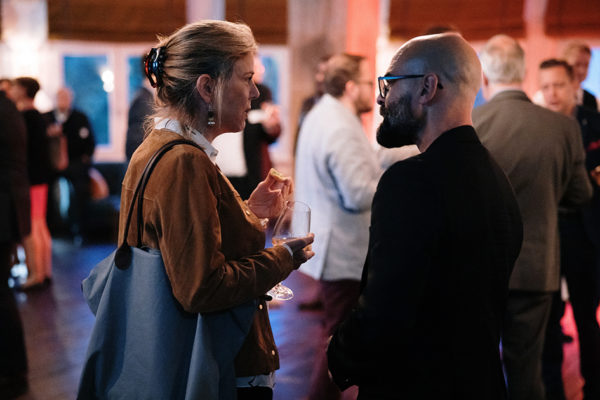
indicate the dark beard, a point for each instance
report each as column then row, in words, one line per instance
column 399, row 127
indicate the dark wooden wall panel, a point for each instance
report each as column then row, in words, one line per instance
column 573, row 18
column 475, row 19
column 114, row 20
column 267, row 18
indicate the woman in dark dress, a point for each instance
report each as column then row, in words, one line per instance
column 38, row 245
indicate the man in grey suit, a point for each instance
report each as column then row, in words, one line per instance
column 542, row 154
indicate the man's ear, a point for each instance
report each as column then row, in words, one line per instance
column 485, row 80
column 350, row 88
column 485, row 87
column 205, row 85
column 429, row 88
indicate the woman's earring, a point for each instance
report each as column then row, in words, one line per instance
column 211, row 116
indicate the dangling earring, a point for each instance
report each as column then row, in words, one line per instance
column 211, row 116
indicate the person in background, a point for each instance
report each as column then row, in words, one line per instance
column 337, row 173
column 245, row 158
column 262, row 129
column 211, row 241
column 313, row 302
column 15, row 225
column 139, row 109
column 579, row 55
column 75, row 126
column 319, row 82
column 38, row 244
column 542, row 154
column 445, row 232
column 579, row 243
column 6, row 86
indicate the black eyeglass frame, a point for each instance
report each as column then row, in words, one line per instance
column 384, row 87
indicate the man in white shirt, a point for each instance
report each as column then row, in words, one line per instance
column 336, row 175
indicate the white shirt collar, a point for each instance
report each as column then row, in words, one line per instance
column 579, row 96
column 197, row 137
column 61, row 117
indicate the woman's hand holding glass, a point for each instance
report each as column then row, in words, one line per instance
column 301, row 249
column 292, row 229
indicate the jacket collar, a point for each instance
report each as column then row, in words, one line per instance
column 510, row 94
column 197, row 137
column 464, row 133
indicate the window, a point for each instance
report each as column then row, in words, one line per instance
column 135, row 75
column 592, row 82
column 84, row 75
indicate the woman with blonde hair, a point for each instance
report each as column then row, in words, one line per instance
column 212, row 242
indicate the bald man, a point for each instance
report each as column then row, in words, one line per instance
column 81, row 143
column 542, row 154
column 445, row 232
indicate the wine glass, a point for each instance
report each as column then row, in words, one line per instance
column 292, row 223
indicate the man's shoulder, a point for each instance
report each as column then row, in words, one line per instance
column 34, row 116
column 588, row 115
column 408, row 169
column 508, row 100
column 522, row 111
column 327, row 117
column 411, row 181
column 78, row 115
column 8, row 106
column 589, row 121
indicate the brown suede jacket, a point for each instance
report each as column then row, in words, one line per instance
column 211, row 243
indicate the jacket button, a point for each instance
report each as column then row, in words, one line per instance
column 273, row 352
column 260, row 307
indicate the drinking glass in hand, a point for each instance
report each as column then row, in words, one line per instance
column 292, row 223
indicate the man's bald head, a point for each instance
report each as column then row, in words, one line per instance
column 448, row 55
column 419, row 110
column 64, row 98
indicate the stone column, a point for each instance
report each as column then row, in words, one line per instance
column 362, row 33
column 537, row 45
column 316, row 28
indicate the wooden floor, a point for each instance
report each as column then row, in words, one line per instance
column 57, row 324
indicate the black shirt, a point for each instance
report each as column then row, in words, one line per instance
column 38, row 152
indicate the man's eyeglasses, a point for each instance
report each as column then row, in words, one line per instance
column 384, row 82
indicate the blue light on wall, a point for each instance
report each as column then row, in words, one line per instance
column 592, row 82
column 83, row 74
column 271, row 78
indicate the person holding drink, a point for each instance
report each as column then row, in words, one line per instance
column 212, row 242
column 293, row 222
